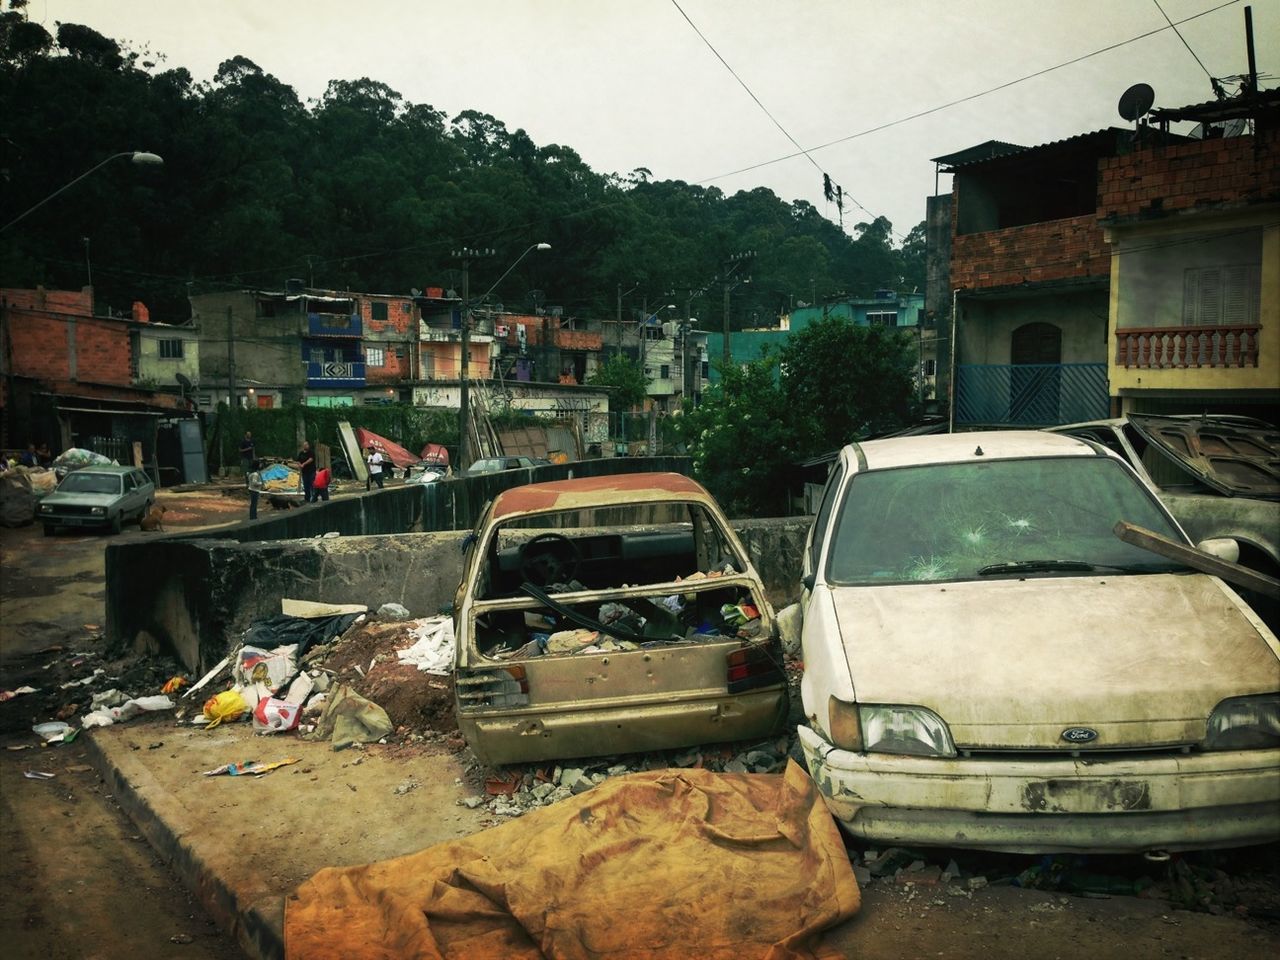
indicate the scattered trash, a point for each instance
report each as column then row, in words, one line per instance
column 107, row 698
column 433, row 648
column 19, row 746
column 203, row 681
column 20, row 691
column 83, row 681
column 404, row 786
column 349, row 718
column 105, row 716
column 38, row 775
column 79, row 768
column 52, row 732
column 67, row 711
column 393, row 611
column 175, row 684
column 182, row 938
column 228, row 705
column 249, row 768
column 310, row 609
column 276, row 716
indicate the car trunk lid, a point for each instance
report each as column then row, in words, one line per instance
column 1237, row 458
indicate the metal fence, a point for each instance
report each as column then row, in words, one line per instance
column 1031, row 394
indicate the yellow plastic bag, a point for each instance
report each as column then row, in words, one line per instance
column 228, row 705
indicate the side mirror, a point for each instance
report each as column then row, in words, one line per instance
column 1224, row 548
column 808, row 581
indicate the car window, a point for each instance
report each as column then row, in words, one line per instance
column 824, row 514
column 948, row 521
column 130, row 482
column 81, row 482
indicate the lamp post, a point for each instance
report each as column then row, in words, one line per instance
column 466, row 255
column 140, row 157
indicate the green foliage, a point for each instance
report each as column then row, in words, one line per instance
column 275, row 431
column 363, row 190
column 626, row 377
column 741, row 439
column 842, row 381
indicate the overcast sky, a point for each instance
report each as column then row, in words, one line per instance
column 628, row 83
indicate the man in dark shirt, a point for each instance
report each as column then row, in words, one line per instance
column 307, row 467
column 248, row 453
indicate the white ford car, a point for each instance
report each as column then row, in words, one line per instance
column 987, row 665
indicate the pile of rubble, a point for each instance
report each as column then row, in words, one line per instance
column 512, row 791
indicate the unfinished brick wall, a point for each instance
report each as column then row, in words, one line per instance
column 1034, row 253
column 55, row 337
column 396, row 336
column 1189, row 175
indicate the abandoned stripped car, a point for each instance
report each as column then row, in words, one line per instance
column 611, row 615
column 987, row 665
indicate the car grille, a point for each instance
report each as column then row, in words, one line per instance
column 71, row 510
column 1099, row 754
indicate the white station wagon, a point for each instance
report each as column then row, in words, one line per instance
column 987, row 665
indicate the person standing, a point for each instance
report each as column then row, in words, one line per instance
column 374, row 459
column 253, row 479
column 307, row 467
column 248, row 453
column 322, row 485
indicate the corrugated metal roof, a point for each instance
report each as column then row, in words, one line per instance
column 1107, row 136
column 983, row 151
column 1212, row 111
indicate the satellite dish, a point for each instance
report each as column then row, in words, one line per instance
column 183, row 380
column 1136, row 101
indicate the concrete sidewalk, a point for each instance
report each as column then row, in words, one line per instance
column 243, row 844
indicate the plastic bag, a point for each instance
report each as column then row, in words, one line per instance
column 275, row 716
column 228, row 705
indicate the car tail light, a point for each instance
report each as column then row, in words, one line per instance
column 751, row 667
column 508, row 687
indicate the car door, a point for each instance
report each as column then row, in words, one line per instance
column 818, row 531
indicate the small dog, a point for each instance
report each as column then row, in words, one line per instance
column 154, row 520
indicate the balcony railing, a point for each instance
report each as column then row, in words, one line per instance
column 334, row 325
column 1160, row 348
column 1031, row 394
column 335, row 373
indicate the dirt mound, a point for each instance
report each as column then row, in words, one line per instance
column 418, row 701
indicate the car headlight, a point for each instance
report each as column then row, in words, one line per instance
column 97, row 511
column 914, row 731
column 1244, row 723
column 843, row 725
column 46, row 508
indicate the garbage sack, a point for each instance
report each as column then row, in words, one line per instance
column 75, row 457
column 269, row 667
column 276, row 716
column 349, row 718
column 43, row 481
column 17, row 501
column 728, row 866
column 306, row 632
column 228, row 705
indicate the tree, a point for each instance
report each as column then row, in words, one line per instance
column 626, row 378
column 742, row 439
column 842, row 381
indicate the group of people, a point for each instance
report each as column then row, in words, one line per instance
column 315, row 482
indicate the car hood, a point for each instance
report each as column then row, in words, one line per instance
column 1010, row 664
column 81, row 499
column 1235, row 458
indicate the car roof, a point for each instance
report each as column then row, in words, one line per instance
column 961, row 447
column 618, row 488
column 104, row 468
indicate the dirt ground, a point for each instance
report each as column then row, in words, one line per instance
column 72, row 865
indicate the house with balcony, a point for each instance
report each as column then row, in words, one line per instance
column 1030, row 273
column 1194, row 227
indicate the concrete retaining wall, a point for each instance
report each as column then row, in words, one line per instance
column 206, row 592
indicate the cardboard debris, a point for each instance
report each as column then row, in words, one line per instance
column 312, row 608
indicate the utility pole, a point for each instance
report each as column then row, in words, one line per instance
column 231, row 361
column 735, row 261
column 466, row 255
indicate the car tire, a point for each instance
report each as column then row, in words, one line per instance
column 48, row 529
column 117, row 523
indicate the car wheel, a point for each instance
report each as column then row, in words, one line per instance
column 117, row 522
column 48, row 529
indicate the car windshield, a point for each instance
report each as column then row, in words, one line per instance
column 960, row 521
column 81, row 482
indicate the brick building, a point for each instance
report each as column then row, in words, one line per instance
column 70, row 376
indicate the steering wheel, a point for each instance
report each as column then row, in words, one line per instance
column 549, row 558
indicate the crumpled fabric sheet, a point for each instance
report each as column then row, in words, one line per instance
column 349, row 718
column 680, row 863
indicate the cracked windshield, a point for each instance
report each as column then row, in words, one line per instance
column 957, row 521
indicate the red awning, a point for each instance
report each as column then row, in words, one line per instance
column 392, row 451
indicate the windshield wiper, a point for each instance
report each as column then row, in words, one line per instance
column 1033, row 566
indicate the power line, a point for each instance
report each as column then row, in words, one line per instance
column 968, row 98
column 1182, row 38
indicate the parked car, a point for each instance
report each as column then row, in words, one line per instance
column 610, row 615
column 1219, row 476
column 987, row 665
column 97, row 497
column 495, row 464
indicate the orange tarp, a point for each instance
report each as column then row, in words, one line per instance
column 669, row 864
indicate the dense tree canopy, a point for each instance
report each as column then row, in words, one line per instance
column 364, row 190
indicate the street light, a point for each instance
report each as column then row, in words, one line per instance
column 464, row 393
column 140, row 157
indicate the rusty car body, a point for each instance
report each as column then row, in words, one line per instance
column 988, row 665
column 611, row 615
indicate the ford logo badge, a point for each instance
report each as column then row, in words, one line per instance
column 1079, row 735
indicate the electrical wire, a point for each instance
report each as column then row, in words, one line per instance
column 1182, row 38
